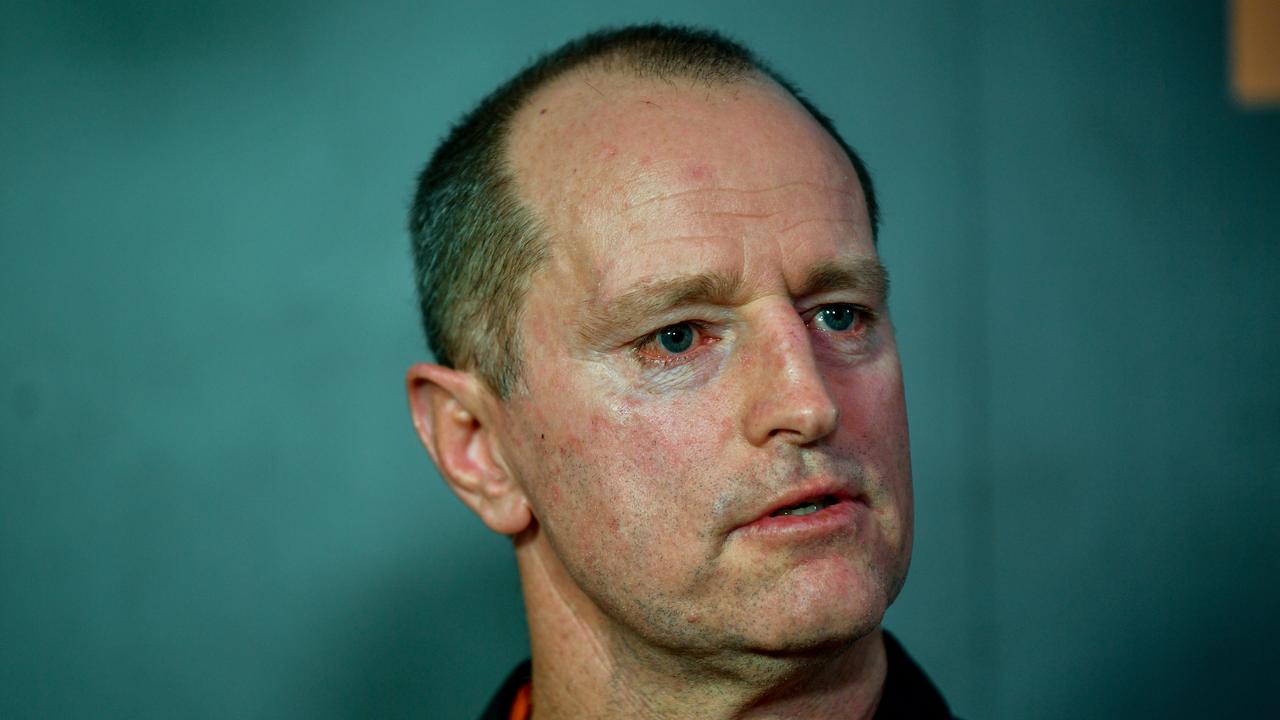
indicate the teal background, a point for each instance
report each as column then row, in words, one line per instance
column 212, row 504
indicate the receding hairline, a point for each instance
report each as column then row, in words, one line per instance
column 597, row 77
column 591, row 80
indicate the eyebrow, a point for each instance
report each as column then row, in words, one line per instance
column 861, row 274
column 651, row 299
column 640, row 304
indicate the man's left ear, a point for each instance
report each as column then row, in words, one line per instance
column 454, row 413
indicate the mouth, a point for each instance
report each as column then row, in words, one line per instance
column 806, row 507
column 807, row 513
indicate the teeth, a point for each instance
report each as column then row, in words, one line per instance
column 806, row 508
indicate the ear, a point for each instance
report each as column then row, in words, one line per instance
column 454, row 413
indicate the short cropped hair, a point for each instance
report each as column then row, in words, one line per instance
column 475, row 244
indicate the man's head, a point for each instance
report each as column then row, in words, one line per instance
column 706, row 452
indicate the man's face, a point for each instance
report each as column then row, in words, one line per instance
column 707, row 346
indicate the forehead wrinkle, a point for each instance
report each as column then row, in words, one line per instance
column 806, row 221
column 652, row 298
column 745, row 215
column 732, row 192
column 740, row 215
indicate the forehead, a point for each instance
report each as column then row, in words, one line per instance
column 637, row 178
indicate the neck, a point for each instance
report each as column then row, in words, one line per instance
column 586, row 666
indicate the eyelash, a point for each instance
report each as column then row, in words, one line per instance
column 866, row 319
column 866, row 316
column 665, row 361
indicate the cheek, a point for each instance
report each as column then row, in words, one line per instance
column 649, row 458
column 873, row 427
column 872, row 410
column 872, row 406
column 625, row 471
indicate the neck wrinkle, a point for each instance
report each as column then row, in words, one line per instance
column 573, row 669
column 581, row 669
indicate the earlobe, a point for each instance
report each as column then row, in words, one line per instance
column 454, row 414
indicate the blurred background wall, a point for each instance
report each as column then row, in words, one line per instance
column 212, row 503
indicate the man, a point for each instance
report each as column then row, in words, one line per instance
column 666, row 370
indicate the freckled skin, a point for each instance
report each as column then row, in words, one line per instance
column 638, row 478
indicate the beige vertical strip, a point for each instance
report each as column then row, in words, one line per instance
column 1255, row 51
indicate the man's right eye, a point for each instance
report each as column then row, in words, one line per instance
column 672, row 342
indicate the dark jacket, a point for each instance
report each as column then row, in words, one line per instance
column 907, row 691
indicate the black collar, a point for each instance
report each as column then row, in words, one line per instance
column 908, row 694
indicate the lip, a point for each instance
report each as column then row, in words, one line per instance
column 833, row 518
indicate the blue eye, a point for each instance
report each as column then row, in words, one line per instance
column 838, row 318
column 676, row 339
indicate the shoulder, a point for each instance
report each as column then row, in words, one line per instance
column 908, row 692
column 499, row 707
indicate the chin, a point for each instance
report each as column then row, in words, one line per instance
column 816, row 620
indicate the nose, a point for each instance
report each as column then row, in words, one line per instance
column 786, row 397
